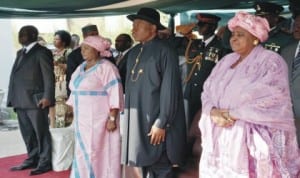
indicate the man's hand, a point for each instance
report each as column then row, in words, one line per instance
column 157, row 135
column 43, row 103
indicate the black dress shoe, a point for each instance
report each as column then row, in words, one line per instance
column 40, row 170
column 23, row 166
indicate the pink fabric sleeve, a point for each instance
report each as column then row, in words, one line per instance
column 114, row 87
column 207, row 97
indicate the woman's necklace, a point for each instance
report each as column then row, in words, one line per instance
column 134, row 77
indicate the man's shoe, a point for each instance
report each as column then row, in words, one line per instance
column 23, row 166
column 40, row 170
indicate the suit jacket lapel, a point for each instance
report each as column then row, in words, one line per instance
column 16, row 66
column 25, row 58
column 292, row 58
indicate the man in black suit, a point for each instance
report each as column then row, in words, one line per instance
column 291, row 53
column 31, row 92
column 123, row 43
column 75, row 58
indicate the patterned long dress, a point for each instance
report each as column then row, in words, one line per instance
column 262, row 142
column 93, row 93
column 60, row 59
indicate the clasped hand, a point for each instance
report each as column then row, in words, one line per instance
column 157, row 135
column 221, row 117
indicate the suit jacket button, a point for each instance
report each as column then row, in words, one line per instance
column 168, row 126
column 195, row 84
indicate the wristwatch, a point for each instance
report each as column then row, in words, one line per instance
column 112, row 118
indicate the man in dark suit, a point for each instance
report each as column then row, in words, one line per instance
column 75, row 58
column 123, row 44
column 31, row 92
column 291, row 54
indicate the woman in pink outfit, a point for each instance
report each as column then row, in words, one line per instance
column 247, row 121
column 97, row 98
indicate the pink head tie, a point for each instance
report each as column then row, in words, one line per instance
column 100, row 44
column 257, row 26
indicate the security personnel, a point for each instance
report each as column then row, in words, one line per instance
column 294, row 8
column 278, row 36
column 201, row 57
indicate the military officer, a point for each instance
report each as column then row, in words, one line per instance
column 278, row 36
column 201, row 57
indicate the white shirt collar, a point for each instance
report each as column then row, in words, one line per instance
column 297, row 49
column 28, row 47
column 124, row 52
column 208, row 40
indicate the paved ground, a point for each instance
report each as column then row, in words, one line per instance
column 11, row 142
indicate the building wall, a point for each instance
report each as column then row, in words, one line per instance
column 7, row 51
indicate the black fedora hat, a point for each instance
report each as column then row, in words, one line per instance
column 149, row 15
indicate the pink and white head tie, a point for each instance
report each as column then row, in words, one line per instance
column 257, row 26
column 99, row 43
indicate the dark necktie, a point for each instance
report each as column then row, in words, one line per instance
column 21, row 56
column 119, row 58
column 296, row 63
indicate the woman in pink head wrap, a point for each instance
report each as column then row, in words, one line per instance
column 97, row 98
column 247, row 121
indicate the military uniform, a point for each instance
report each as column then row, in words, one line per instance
column 199, row 61
column 198, row 73
column 278, row 36
column 277, row 40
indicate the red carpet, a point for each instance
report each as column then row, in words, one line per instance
column 6, row 163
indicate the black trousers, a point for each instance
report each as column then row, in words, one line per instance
column 34, row 127
column 160, row 169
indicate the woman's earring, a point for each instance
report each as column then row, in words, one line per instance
column 255, row 42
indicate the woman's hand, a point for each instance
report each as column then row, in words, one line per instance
column 111, row 125
column 221, row 117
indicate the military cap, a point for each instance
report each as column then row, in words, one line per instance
column 207, row 18
column 266, row 8
column 89, row 28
